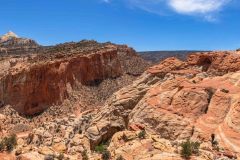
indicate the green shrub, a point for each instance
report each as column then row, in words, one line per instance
column 100, row 148
column 106, row 155
column 10, row 142
column 189, row 148
column 142, row 134
column 186, row 151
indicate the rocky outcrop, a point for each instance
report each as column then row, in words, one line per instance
column 33, row 88
column 178, row 100
column 196, row 99
column 32, row 83
column 222, row 62
column 149, row 119
column 10, row 43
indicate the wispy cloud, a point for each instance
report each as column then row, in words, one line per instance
column 197, row 6
column 202, row 8
column 106, row 1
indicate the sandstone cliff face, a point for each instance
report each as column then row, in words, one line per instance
column 177, row 100
column 32, row 88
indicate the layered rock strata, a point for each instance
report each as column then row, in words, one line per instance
column 32, row 83
column 178, row 100
column 10, row 44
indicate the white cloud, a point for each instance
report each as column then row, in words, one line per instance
column 203, row 8
column 197, row 6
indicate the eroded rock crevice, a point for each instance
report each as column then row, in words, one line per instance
column 210, row 92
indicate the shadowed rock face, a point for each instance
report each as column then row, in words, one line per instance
column 33, row 88
column 32, row 83
column 222, row 62
column 179, row 100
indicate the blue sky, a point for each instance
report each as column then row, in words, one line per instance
column 142, row 24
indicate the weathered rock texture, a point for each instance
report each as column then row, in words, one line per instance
column 34, row 82
column 33, row 88
column 10, row 43
column 197, row 99
column 177, row 100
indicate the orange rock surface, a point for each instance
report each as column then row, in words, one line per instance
column 32, row 87
column 178, row 100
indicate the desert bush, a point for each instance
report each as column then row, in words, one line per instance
column 189, row 148
column 10, row 142
column 238, row 49
column 142, row 134
column 100, row 148
column 186, row 151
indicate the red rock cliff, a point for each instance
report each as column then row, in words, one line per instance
column 31, row 88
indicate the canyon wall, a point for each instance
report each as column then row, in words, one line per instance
column 32, row 88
